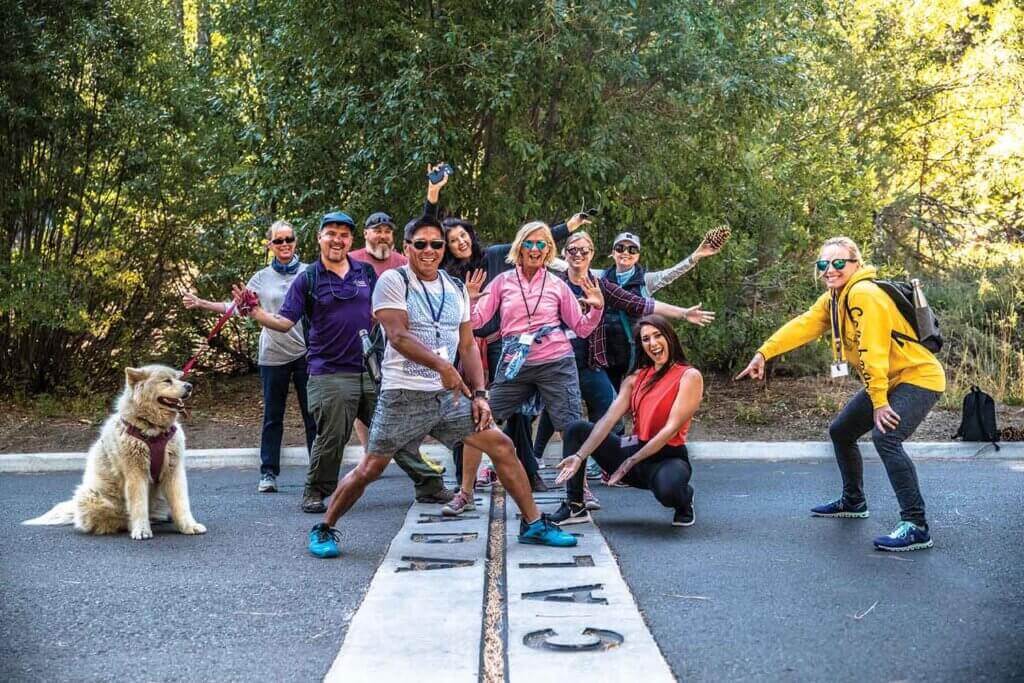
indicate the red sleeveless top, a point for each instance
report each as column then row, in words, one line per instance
column 652, row 404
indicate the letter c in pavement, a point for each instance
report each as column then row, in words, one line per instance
column 597, row 640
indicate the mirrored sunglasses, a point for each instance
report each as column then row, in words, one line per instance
column 837, row 263
column 579, row 251
column 535, row 244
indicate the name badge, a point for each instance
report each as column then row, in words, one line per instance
column 526, row 339
column 840, row 370
column 628, row 441
column 442, row 351
column 569, row 334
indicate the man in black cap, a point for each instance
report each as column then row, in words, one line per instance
column 379, row 251
column 334, row 295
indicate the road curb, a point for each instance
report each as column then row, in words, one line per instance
column 213, row 458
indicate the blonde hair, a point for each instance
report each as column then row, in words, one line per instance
column 279, row 225
column 847, row 244
column 576, row 237
column 517, row 243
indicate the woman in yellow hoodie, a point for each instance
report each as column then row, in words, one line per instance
column 902, row 379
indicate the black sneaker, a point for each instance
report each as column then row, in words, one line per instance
column 444, row 495
column 685, row 516
column 840, row 508
column 570, row 513
column 313, row 503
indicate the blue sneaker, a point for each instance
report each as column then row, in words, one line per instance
column 323, row 541
column 544, row 532
column 840, row 508
column 906, row 536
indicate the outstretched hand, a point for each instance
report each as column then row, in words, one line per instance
column 569, row 467
column 475, row 283
column 592, row 295
column 698, row 316
column 577, row 221
column 713, row 241
column 754, row 369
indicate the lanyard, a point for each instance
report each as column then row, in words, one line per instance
column 837, row 335
column 543, row 283
column 436, row 317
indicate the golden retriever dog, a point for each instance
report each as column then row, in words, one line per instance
column 135, row 471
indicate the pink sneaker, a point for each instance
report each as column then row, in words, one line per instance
column 590, row 501
column 485, row 477
column 460, row 503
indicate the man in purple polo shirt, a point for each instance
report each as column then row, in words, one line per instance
column 339, row 390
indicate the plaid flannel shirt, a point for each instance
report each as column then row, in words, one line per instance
column 615, row 299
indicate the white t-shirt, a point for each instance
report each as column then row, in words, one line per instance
column 277, row 348
column 435, row 323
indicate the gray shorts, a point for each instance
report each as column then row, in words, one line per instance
column 404, row 417
column 557, row 382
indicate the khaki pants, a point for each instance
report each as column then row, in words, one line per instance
column 336, row 401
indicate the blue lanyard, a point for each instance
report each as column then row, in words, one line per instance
column 440, row 309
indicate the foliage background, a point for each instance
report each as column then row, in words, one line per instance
column 147, row 145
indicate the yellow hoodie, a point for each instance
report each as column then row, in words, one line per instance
column 868, row 345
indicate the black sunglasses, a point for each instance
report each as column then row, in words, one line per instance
column 621, row 248
column 419, row 245
column 579, row 251
column 837, row 263
column 282, row 240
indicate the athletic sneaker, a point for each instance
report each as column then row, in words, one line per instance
column 461, row 502
column 313, row 503
column 485, row 477
column 906, row 536
column 438, row 467
column 590, row 501
column 441, row 496
column 570, row 513
column 268, row 484
column 621, row 485
column 840, row 508
column 593, row 469
column 544, row 532
column 685, row 516
column 323, row 541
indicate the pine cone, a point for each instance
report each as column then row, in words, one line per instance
column 717, row 237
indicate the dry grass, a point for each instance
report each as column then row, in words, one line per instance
column 494, row 606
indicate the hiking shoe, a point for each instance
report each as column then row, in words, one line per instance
column 590, row 501
column 313, row 503
column 605, row 477
column 840, row 508
column 545, row 532
column 685, row 516
column 570, row 513
column 460, row 502
column 594, row 470
column 268, row 484
column 323, row 541
column 435, row 465
column 440, row 497
column 906, row 536
column 485, row 477
column 537, row 484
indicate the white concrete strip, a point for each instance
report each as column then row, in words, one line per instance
column 207, row 458
column 421, row 625
column 552, row 627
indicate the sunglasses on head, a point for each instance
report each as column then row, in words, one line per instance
column 622, row 248
column 837, row 263
column 420, row 245
column 535, row 244
column 282, row 240
column 579, row 251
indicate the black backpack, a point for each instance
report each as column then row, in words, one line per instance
column 902, row 294
column 979, row 418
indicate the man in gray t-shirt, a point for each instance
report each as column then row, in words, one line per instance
column 282, row 355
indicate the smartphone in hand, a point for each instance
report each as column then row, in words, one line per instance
column 439, row 173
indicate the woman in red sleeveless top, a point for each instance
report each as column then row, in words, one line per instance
column 662, row 394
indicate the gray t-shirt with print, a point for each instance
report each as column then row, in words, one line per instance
column 277, row 348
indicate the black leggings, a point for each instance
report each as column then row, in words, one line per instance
column 666, row 474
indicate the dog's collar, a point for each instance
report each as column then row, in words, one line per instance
column 157, row 446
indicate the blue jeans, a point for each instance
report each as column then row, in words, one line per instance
column 598, row 394
column 275, row 393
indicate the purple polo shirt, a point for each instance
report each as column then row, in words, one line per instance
column 341, row 309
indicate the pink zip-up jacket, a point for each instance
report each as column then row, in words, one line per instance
column 557, row 305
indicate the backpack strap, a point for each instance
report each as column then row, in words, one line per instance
column 897, row 337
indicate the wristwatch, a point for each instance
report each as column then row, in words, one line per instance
column 482, row 393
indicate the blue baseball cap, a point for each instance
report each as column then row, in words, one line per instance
column 339, row 217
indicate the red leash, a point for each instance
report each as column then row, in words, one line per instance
column 249, row 301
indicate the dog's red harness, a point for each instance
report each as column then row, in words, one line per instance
column 157, row 447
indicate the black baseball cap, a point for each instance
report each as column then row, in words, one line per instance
column 377, row 219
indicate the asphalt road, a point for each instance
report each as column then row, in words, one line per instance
column 757, row 590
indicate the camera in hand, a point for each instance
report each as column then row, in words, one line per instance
column 438, row 174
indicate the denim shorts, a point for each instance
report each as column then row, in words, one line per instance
column 403, row 418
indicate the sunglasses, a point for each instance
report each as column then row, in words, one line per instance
column 534, row 244
column 622, row 248
column 282, row 240
column 579, row 251
column 420, row 245
column 837, row 263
